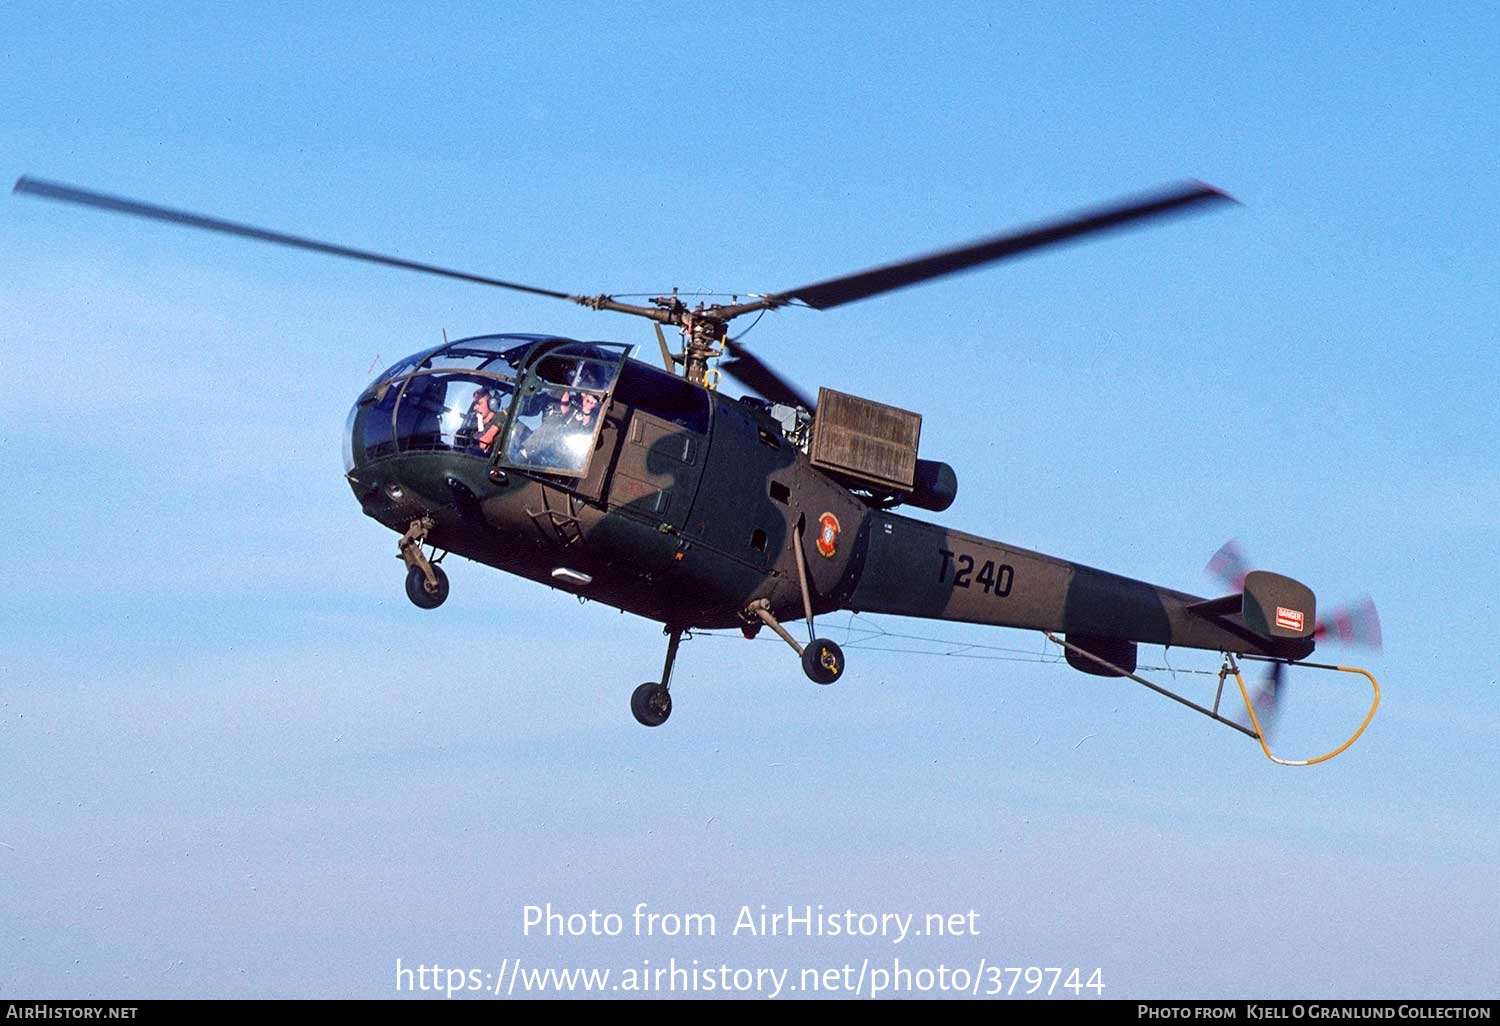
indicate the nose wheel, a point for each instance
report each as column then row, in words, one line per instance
column 423, row 593
column 426, row 583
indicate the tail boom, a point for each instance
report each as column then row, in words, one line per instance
column 911, row 568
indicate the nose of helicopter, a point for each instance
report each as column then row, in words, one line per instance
column 396, row 484
column 445, row 399
column 445, row 427
column 424, row 435
column 376, row 481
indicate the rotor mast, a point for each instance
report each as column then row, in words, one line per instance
column 704, row 329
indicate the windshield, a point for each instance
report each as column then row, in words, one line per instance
column 463, row 412
column 454, row 397
column 459, row 398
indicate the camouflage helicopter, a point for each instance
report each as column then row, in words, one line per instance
column 645, row 488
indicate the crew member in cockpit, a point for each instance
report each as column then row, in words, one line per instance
column 562, row 438
column 588, row 404
column 486, row 418
column 572, row 412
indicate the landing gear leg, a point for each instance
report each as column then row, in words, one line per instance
column 652, row 702
column 822, row 660
column 426, row 583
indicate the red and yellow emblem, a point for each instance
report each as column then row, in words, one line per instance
column 828, row 535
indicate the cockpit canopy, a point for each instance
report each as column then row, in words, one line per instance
column 463, row 397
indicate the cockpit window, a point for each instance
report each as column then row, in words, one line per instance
column 554, row 430
column 379, row 435
column 459, row 412
column 495, row 354
column 571, row 372
column 479, row 354
column 403, row 366
column 610, row 352
column 562, row 406
column 457, row 397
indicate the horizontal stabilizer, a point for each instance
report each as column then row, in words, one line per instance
column 1218, row 607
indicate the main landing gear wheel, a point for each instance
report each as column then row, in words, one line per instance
column 423, row 594
column 823, row 662
column 651, row 703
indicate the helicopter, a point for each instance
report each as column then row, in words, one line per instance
column 648, row 489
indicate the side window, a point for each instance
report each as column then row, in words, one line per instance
column 665, row 396
column 571, row 372
column 484, row 418
column 554, row 430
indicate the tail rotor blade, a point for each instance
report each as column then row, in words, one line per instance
column 1268, row 697
column 1356, row 624
column 1229, row 565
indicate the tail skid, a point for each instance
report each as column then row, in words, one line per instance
column 1230, row 666
column 1260, row 735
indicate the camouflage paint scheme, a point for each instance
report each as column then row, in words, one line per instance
column 688, row 528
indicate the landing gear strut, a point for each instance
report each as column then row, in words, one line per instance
column 426, row 583
column 822, row 660
column 651, row 703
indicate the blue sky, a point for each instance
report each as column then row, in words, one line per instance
column 240, row 763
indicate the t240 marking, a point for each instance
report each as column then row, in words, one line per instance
column 995, row 580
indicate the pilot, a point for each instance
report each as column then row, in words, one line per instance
column 486, row 418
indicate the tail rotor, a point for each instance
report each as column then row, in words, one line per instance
column 1356, row 624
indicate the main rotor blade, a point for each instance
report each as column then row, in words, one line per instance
column 836, row 291
column 83, row 197
column 748, row 370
